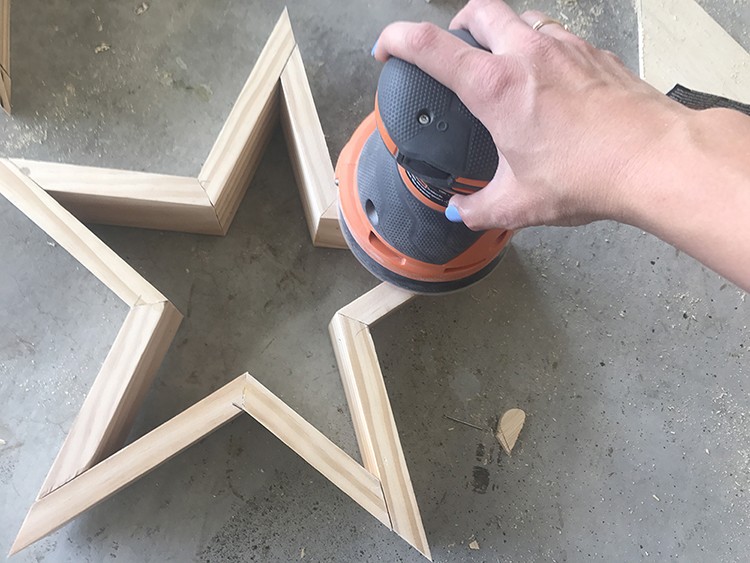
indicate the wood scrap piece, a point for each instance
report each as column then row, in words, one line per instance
column 680, row 43
column 5, row 55
column 509, row 427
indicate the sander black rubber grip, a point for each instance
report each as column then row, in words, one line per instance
column 409, row 284
column 438, row 138
column 416, row 230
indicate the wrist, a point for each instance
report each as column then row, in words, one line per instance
column 648, row 182
column 694, row 191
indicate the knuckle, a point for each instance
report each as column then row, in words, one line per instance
column 422, row 37
column 490, row 79
column 539, row 45
column 480, row 6
column 483, row 9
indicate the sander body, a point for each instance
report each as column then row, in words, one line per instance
column 397, row 174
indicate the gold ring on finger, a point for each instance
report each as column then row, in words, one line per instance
column 541, row 23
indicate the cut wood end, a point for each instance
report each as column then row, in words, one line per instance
column 22, row 540
column 509, row 427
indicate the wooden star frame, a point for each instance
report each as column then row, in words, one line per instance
column 90, row 466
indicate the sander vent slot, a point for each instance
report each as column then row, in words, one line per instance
column 464, row 267
column 375, row 241
column 372, row 214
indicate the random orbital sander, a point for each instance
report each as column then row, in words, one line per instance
column 397, row 174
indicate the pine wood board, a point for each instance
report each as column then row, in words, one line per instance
column 126, row 198
column 216, row 174
column 377, row 304
column 375, row 426
column 228, row 200
column 106, row 416
column 680, row 43
column 69, row 233
column 5, row 55
column 315, row 448
column 130, row 463
column 329, row 233
column 307, row 145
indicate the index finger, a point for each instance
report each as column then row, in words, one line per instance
column 493, row 23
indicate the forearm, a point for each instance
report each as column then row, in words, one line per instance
column 693, row 191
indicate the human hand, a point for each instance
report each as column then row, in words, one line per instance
column 573, row 126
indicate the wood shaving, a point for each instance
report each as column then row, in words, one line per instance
column 509, row 427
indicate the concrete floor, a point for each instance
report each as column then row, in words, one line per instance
column 630, row 359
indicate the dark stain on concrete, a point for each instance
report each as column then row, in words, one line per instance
column 480, row 479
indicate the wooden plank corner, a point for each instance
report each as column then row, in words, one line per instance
column 121, row 469
column 372, row 416
column 229, row 166
column 107, row 413
column 315, row 448
column 308, row 152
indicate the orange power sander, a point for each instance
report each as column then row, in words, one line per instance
column 396, row 175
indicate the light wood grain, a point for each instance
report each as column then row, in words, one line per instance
column 226, row 172
column 375, row 426
column 130, row 463
column 317, row 450
column 127, row 198
column 5, row 55
column 681, row 43
column 329, row 233
column 308, row 151
column 509, row 428
column 377, row 304
column 5, row 88
column 106, row 416
column 229, row 200
column 69, row 233
column 5, row 34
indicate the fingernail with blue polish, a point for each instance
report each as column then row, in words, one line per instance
column 373, row 49
column 451, row 212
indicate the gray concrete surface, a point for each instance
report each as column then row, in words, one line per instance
column 630, row 359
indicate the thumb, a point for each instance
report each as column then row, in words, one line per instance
column 489, row 208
